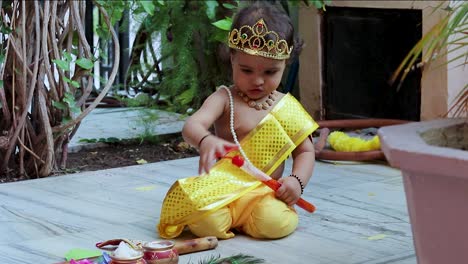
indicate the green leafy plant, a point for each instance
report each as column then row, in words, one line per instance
column 148, row 120
column 185, row 69
column 190, row 63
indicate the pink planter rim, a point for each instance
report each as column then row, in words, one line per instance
column 406, row 139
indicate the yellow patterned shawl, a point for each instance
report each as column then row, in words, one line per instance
column 267, row 146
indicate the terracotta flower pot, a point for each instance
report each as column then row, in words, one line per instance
column 433, row 158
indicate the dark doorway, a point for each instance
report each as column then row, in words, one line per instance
column 363, row 47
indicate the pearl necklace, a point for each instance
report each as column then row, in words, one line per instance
column 259, row 106
column 231, row 125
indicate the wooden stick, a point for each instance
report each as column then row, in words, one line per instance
column 195, row 245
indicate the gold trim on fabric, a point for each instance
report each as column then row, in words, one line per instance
column 280, row 104
column 299, row 136
column 265, row 119
column 269, row 168
column 201, row 212
column 256, row 129
column 279, row 158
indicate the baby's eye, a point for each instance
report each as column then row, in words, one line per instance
column 246, row 70
column 270, row 72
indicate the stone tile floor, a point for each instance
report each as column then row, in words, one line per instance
column 361, row 215
column 361, row 212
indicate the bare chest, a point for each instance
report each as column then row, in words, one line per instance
column 245, row 120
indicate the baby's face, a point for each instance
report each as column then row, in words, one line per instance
column 256, row 76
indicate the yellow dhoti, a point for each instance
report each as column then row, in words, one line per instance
column 212, row 204
column 257, row 213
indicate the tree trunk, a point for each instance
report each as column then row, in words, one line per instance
column 37, row 100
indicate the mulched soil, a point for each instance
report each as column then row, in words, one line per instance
column 129, row 153
column 120, row 154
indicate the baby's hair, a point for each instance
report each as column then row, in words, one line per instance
column 276, row 20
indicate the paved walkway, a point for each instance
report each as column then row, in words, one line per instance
column 361, row 215
column 124, row 123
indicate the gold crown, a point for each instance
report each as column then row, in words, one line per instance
column 274, row 48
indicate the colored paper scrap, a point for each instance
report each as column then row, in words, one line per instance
column 78, row 253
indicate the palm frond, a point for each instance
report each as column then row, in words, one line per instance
column 442, row 39
column 460, row 105
column 431, row 44
column 435, row 41
column 235, row 259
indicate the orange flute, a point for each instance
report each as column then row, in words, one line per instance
column 267, row 180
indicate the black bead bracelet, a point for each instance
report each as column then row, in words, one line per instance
column 299, row 180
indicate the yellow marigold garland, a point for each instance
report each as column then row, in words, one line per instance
column 340, row 141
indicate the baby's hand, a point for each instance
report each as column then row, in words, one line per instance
column 290, row 190
column 210, row 150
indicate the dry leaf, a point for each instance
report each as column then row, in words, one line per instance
column 145, row 188
column 183, row 146
column 377, row 237
column 141, row 161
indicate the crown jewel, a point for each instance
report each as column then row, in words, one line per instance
column 257, row 40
